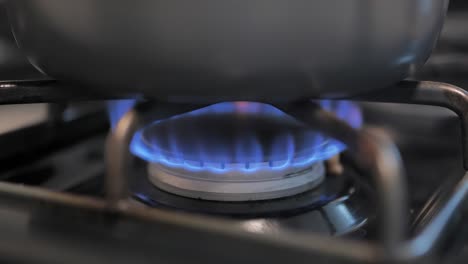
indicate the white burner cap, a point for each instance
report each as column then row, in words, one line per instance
column 237, row 185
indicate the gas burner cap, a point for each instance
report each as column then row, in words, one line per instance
column 236, row 185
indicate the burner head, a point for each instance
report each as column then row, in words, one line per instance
column 236, row 185
column 230, row 151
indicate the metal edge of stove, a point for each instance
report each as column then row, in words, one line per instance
column 221, row 239
column 225, row 239
column 47, row 90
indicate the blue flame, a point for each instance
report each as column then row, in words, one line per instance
column 117, row 108
column 247, row 153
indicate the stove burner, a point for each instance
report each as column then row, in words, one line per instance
column 337, row 206
column 238, row 151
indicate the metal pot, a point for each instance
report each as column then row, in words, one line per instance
column 218, row 50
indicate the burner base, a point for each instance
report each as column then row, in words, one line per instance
column 335, row 207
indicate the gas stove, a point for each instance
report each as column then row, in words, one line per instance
column 373, row 178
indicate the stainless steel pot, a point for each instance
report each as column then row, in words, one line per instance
column 217, row 50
